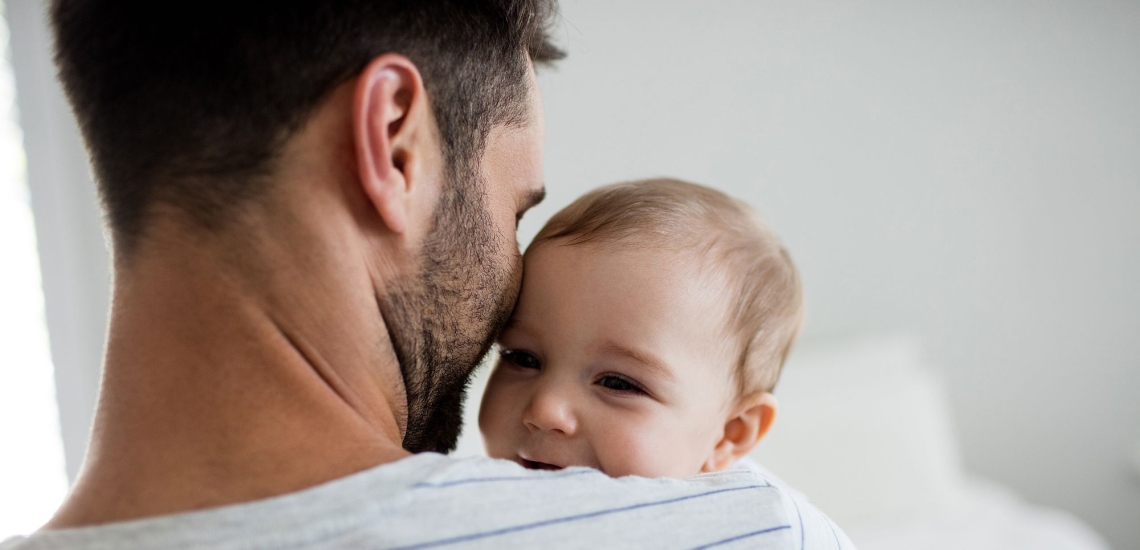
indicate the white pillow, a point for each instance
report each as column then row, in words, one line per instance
column 865, row 432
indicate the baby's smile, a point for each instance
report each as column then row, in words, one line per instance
column 535, row 465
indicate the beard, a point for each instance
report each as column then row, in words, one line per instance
column 443, row 321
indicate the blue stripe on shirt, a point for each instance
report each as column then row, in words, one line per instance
column 429, row 485
column 546, row 523
column 838, row 545
column 800, row 518
column 744, row 536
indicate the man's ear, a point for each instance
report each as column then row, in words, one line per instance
column 390, row 118
column 743, row 429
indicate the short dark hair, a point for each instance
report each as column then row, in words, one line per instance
column 189, row 103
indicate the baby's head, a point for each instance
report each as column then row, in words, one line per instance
column 652, row 325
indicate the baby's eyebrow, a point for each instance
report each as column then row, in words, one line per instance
column 646, row 359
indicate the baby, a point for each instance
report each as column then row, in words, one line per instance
column 653, row 322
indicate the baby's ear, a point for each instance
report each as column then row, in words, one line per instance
column 743, row 429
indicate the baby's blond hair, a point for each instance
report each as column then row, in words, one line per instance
column 762, row 286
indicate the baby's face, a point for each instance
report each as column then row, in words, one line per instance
column 614, row 359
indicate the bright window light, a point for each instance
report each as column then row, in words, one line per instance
column 33, row 480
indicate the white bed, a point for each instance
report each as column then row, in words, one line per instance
column 864, row 430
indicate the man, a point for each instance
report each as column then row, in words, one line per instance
column 313, row 208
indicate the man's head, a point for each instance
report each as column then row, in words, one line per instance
column 194, row 115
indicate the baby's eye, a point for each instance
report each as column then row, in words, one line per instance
column 619, row 384
column 520, row 358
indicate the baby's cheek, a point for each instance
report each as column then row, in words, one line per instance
column 496, row 420
column 639, row 448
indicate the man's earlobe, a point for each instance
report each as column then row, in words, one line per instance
column 389, row 93
column 743, row 429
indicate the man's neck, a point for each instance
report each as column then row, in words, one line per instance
column 221, row 387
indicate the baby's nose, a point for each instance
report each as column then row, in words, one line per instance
column 551, row 410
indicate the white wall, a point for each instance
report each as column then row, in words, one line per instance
column 69, row 230
column 966, row 171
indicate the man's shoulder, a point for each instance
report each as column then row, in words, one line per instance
column 430, row 501
column 12, row 543
column 519, row 507
column 481, row 482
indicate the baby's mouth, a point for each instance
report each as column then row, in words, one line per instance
column 536, row 465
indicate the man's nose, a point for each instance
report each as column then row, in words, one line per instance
column 551, row 409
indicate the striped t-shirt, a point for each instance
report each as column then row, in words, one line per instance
column 432, row 501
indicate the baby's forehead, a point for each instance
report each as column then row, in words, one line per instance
column 644, row 284
column 697, row 266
